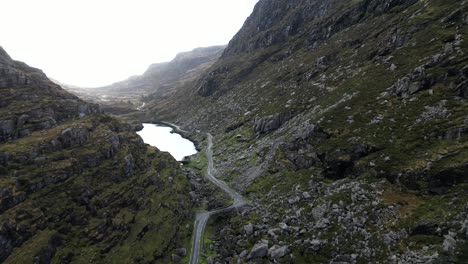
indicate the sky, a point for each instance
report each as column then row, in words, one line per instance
column 92, row 43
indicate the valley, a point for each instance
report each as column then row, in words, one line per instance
column 323, row 132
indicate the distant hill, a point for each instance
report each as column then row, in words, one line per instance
column 159, row 78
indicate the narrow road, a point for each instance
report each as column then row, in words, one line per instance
column 140, row 108
column 201, row 219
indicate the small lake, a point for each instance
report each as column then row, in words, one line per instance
column 162, row 138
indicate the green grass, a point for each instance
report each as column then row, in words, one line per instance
column 130, row 214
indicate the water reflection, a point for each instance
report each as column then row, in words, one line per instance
column 162, row 138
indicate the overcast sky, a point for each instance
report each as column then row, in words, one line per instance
column 97, row 42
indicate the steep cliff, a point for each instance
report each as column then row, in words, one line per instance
column 79, row 186
column 345, row 122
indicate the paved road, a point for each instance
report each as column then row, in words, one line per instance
column 202, row 217
column 140, row 108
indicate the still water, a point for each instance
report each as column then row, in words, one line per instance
column 162, row 138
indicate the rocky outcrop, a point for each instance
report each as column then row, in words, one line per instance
column 129, row 164
column 9, row 77
column 301, row 152
column 208, row 84
column 70, row 137
column 268, row 124
column 7, row 129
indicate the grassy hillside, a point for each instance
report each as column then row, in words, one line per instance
column 78, row 186
column 345, row 122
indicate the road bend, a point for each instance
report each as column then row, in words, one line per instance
column 201, row 218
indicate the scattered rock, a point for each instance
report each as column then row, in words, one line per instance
column 259, row 250
column 315, row 245
column 284, row 226
column 319, row 211
column 249, row 229
column 276, row 252
column 450, row 244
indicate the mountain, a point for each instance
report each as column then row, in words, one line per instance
column 345, row 123
column 77, row 185
column 158, row 80
column 160, row 75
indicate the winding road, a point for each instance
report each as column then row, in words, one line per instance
column 140, row 108
column 201, row 218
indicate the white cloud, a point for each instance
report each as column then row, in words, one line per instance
column 96, row 42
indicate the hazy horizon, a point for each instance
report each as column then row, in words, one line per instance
column 93, row 44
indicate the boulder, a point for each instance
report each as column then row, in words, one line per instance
column 276, row 252
column 243, row 254
column 450, row 243
column 322, row 223
column 316, row 245
column 249, row 229
column 412, row 83
column 74, row 136
column 284, row 226
column 259, row 250
column 319, row 211
column 273, row 232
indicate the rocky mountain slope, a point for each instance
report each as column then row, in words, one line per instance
column 79, row 186
column 160, row 75
column 345, row 123
column 159, row 80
